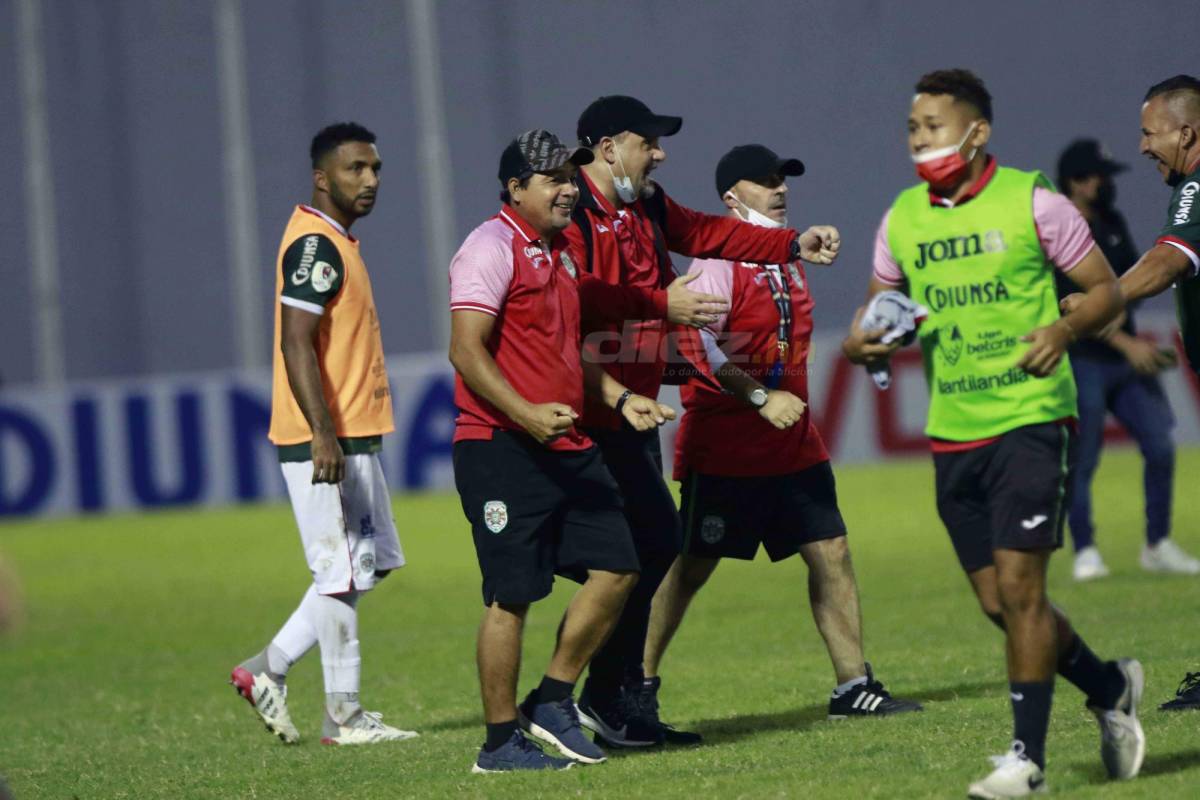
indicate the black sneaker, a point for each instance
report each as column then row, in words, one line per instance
column 1187, row 696
column 869, row 699
column 641, row 700
column 607, row 717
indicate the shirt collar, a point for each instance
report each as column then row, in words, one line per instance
column 978, row 186
column 332, row 222
column 608, row 208
column 510, row 217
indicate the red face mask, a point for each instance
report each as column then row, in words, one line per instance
column 944, row 168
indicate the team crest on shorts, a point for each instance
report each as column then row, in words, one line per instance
column 367, row 562
column 495, row 515
column 568, row 265
column 712, row 529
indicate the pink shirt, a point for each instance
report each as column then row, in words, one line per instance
column 1061, row 229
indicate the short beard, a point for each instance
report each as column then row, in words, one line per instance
column 343, row 203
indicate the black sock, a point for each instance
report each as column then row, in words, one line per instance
column 1100, row 680
column 551, row 691
column 498, row 733
column 1031, row 717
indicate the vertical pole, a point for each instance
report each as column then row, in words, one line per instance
column 433, row 159
column 40, row 214
column 239, row 184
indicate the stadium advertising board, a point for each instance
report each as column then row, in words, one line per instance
column 201, row 438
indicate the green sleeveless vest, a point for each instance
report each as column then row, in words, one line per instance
column 980, row 270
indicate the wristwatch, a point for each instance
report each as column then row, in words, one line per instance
column 758, row 397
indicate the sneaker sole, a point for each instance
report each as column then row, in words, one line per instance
column 478, row 770
column 597, row 726
column 550, row 739
column 243, row 683
column 332, row 741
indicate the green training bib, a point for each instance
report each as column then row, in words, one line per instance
column 980, row 270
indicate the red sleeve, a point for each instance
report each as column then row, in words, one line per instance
column 692, row 233
column 601, row 303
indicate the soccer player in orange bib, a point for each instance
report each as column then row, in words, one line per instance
column 330, row 408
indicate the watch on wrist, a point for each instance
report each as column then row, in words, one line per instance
column 621, row 401
column 758, row 397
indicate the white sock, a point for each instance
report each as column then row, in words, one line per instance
column 842, row 688
column 337, row 633
column 297, row 636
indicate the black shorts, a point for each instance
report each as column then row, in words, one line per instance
column 725, row 517
column 535, row 513
column 635, row 460
column 1010, row 494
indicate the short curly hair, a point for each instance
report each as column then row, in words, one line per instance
column 330, row 137
column 961, row 84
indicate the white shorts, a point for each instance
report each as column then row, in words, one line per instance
column 347, row 529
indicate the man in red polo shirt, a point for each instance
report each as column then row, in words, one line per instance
column 752, row 437
column 533, row 486
column 625, row 228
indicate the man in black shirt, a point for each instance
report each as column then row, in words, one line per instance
column 1118, row 374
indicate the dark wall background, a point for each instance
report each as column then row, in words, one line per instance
column 135, row 131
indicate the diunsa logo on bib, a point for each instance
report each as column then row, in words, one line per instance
column 495, row 515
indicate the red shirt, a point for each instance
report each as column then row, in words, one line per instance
column 629, row 249
column 721, row 434
column 505, row 269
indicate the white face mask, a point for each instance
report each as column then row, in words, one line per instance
column 622, row 186
column 755, row 217
column 948, row 150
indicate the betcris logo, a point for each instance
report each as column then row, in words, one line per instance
column 1187, row 197
column 196, row 440
column 956, row 247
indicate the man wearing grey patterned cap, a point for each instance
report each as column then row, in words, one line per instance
column 539, row 499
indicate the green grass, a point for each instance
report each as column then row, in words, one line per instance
column 115, row 687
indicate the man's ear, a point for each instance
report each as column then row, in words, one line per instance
column 321, row 180
column 514, row 186
column 608, row 149
column 982, row 134
column 730, row 200
column 1187, row 136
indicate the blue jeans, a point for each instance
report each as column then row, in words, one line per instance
column 1140, row 405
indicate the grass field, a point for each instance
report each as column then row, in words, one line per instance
column 115, row 687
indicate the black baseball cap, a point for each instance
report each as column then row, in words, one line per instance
column 538, row 150
column 750, row 161
column 617, row 113
column 1085, row 157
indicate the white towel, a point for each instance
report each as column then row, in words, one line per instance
column 900, row 317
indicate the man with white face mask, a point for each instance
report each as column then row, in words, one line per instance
column 978, row 245
column 752, row 437
column 625, row 227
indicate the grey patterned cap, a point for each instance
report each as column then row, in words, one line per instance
column 538, row 150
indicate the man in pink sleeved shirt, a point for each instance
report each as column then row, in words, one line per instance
column 752, row 437
column 1002, row 401
column 533, row 486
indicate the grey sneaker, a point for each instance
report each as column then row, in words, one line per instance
column 1122, row 742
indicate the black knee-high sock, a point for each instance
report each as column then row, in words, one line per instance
column 1100, row 680
column 1031, row 716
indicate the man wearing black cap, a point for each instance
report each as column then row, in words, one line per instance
column 533, row 486
column 751, row 437
column 1117, row 374
column 625, row 227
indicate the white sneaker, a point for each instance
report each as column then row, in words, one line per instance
column 365, row 727
column 1166, row 556
column 1089, row 565
column 1014, row 776
column 269, row 699
column 1122, row 742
